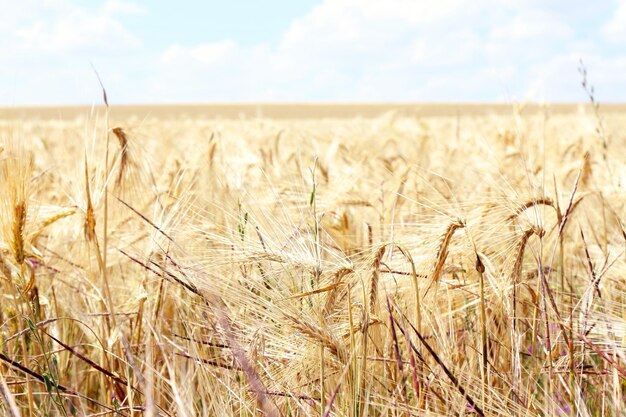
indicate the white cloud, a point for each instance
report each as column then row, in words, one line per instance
column 559, row 77
column 211, row 54
column 375, row 50
column 46, row 48
column 59, row 26
column 615, row 29
column 532, row 24
column 113, row 7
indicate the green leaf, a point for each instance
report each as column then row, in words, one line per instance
column 241, row 227
column 312, row 196
column 55, row 368
column 73, row 410
column 31, row 325
column 48, row 382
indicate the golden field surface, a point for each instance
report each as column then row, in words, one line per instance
column 313, row 261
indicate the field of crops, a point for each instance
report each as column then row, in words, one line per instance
column 442, row 265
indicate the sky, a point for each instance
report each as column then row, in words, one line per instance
column 157, row 51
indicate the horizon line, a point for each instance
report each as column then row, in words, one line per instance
column 315, row 103
column 300, row 110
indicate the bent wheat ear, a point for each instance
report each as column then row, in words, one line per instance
column 442, row 252
column 319, row 334
column 375, row 277
column 123, row 141
column 337, row 283
column 546, row 201
column 89, row 227
column 48, row 222
column 519, row 257
column 517, row 266
column 373, row 296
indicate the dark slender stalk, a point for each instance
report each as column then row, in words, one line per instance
column 445, row 369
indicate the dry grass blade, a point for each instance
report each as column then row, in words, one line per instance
column 254, row 380
column 210, row 362
column 445, row 369
column 104, row 91
column 190, row 287
column 333, row 396
column 570, row 206
column 595, row 280
column 145, row 219
column 396, row 346
column 544, row 282
column 91, row 363
column 398, row 355
column 40, row 378
column 8, row 400
column 267, row 405
column 326, row 288
column 603, row 355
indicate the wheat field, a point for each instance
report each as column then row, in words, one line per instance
column 399, row 265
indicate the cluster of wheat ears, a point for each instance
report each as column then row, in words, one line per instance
column 447, row 266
